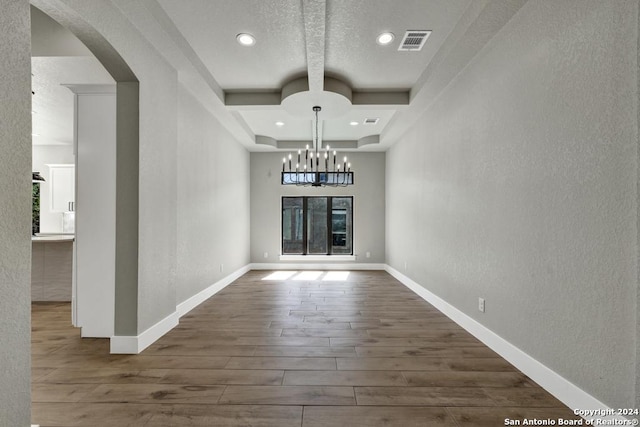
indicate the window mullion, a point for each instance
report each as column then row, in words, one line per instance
column 305, row 220
column 329, row 225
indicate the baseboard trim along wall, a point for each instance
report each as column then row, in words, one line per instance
column 316, row 266
column 191, row 303
column 565, row 391
column 136, row 344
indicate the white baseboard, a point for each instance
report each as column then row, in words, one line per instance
column 316, row 266
column 565, row 391
column 136, row 344
column 191, row 303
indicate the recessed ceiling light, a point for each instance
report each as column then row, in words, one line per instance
column 354, row 123
column 35, row 134
column 246, row 39
column 279, row 123
column 385, row 38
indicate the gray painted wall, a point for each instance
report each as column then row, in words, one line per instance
column 518, row 185
column 213, row 200
column 368, row 192
column 15, row 211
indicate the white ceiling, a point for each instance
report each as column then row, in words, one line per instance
column 328, row 45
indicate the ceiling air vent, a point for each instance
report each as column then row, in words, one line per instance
column 414, row 40
column 371, row 121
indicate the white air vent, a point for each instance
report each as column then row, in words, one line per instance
column 371, row 121
column 414, row 40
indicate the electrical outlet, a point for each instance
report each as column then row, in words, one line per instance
column 221, row 268
column 405, row 265
column 266, row 254
column 481, row 304
column 368, row 254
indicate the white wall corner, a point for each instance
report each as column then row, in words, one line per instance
column 136, row 344
column 565, row 391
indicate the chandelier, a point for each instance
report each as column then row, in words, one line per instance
column 318, row 168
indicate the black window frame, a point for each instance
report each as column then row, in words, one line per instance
column 329, row 215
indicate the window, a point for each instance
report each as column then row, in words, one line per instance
column 317, row 225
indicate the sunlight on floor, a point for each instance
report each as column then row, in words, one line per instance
column 329, row 276
column 308, row 275
column 335, row 276
column 279, row 275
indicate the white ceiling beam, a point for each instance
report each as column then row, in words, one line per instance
column 315, row 16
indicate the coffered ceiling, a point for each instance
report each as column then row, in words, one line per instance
column 312, row 52
column 306, row 53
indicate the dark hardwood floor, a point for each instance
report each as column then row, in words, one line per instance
column 364, row 351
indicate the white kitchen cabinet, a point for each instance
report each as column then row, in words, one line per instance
column 62, row 182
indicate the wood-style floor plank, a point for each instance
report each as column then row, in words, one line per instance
column 154, row 393
column 344, row 378
column 423, row 396
column 222, row 376
column 429, row 364
column 467, row 379
column 365, row 351
column 381, row 416
column 228, row 416
column 295, row 363
column 288, row 395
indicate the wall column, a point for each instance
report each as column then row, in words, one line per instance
column 15, row 211
column 94, row 285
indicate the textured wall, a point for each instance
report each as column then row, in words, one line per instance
column 368, row 210
column 519, row 185
column 213, row 200
column 15, row 211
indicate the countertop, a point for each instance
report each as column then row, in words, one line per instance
column 53, row 238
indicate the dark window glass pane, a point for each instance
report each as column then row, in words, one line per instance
column 317, row 225
column 292, row 242
column 341, row 225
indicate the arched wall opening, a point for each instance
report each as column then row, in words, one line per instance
column 113, row 302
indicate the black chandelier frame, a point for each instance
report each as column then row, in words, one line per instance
column 310, row 173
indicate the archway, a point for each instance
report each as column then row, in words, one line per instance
column 125, row 173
